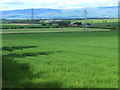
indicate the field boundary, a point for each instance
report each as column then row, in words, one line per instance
column 54, row 31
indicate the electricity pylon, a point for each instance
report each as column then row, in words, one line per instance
column 85, row 18
column 32, row 15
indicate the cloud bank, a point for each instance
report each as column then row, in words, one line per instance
column 55, row 4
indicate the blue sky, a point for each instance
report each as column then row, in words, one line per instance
column 56, row 4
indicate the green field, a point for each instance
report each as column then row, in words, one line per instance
column 4, row 31
column 100, row 24
column 60, row 58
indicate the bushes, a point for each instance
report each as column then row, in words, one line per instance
column 28, row 26
column 78, row 23
column 12, row 26
column 23, row 26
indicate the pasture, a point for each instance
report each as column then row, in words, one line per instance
column 100, row 24
column 60, row 58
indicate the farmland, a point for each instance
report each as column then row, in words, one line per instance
column 60, row 58
column 96, row 23
column 100, row 24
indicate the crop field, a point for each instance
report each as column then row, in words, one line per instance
column 5, row 31
column 99, row 22
column 67, row 59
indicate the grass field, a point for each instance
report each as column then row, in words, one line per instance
column 4, row 31
column 60, row 59
column 100, row 24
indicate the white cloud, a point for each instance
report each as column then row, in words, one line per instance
column 23, row 4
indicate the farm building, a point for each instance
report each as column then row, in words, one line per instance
column 74, row 24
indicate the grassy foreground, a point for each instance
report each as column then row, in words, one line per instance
column 61, row 60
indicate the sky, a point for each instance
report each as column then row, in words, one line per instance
column 55, row 4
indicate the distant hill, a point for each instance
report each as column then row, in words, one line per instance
column 61, row 13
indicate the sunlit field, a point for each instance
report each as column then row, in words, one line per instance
column 60, row 58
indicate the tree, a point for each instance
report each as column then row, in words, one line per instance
column 78, row 23
column 64, row 23
column 88, row 24
column 43, row 24
column 50, row 23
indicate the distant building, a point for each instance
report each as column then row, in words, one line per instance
column 58, row 20
column 74, row 24
column 46, row 21
column 43, row 24
column 77, row 24
column 88, row 24
column 49, row 20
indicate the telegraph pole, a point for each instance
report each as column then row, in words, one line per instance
column 85, row 18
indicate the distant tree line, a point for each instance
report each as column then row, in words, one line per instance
column 46, row 23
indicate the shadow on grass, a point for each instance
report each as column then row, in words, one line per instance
column 27, row 54
column 18, row 47
column 15, row 75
